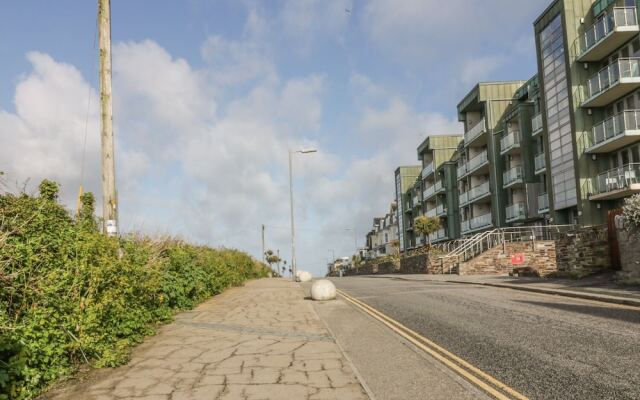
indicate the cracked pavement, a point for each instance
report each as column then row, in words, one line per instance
column 261, row 341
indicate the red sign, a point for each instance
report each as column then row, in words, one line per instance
column 517, row 259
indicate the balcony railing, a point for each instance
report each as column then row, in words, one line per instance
column 462, row 170
column 610, row 75
column 427, row 170
column 512, row 176
column 516, row 212
column 431, row 213
column 465, row 226
column 439, row 234
column 428, row 192
column 618, row 178
column 543, row 203
column 479, row 191
column 477, row 161
column 536, row 124
column 620, row 18
column 481, row 221
column 608, row 131
column 474, row 132
column 441, row 210
column 439, row 186
column 540, row 163
column 509, row 142
column 416, row 200
column 463, row 198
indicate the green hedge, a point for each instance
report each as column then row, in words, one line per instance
column 69, row 295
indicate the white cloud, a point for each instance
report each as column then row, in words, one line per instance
column 480, row 69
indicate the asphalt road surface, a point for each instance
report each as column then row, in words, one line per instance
column 545, row 347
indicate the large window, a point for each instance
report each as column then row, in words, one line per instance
column 558, row 114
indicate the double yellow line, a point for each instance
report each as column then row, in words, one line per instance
column 479, row 378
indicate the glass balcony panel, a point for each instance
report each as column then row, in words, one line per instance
column 618, row 178
column 477, row 161
column 516, row 211
column 510, row 141
column 614, row 126
column 611, row 74
column 427, row 170
column 462, row 169
column 513, row 175
column 540, row 162
column 536, row 124
column 479, row 191
column 464, row 198
column 474, row 132
column 480, row 222
column 543, row 202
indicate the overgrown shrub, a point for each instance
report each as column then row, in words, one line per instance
column 69, row 295
column 631, row 211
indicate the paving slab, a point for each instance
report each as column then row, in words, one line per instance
column 261, row 341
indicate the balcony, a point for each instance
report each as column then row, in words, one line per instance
column 429, row 192
column 536, row 125
column 441, row 211
column 437, row 236
column 439, row 187
column 431, row 213
column 475, row 132
column 513, row 177
column 462, row 170
column 481, row 222
column 617, row 183
column 477, row 163
column 416, row 201
column 509, row 143
column 479, row 192
column 543, row 203
column 609, row 33
column 427, row 170
column 615, row 132
column 516, row 212
column 612, row 82
column 540, row 163
column 463, row 199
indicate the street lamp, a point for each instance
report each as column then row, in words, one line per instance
column 293, row 230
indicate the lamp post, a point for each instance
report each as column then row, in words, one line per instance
column 293, row 230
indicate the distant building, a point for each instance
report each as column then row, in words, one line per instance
column 407, row 196
column 382, row 239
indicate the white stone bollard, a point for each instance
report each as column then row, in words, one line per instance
column 304, row 276
column 323, row 290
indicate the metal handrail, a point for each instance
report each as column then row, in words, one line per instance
column 622, row 16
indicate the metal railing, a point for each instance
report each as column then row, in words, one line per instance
column 614, row 126
column 510, row 141
column 611, row 74
column 516, row 211
column 618, row 178
column 441, row 210
column 512, row 176
column 536, row 124
column 439, row 186
column 477, row 161
column 480, row 221
column 543, row 202
column 416, row 200
column 480, row 190
column 465, row 249
column 427, row 170
column 621, row 16
column 540, row 162
column 431, row 213
column 476, row 131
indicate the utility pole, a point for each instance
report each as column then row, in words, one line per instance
column 109, row 194
column 263, row 260
column 278, row 262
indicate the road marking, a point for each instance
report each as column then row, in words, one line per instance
column 479, row 378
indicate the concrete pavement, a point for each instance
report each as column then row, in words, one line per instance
column 261, row 341
column 546, row 347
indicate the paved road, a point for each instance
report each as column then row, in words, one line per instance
column 546, row 347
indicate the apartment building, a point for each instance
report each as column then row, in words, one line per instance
column 438, row 156
column 589, row 67
column 480, row 167
column 407, row 195
column 381, row 240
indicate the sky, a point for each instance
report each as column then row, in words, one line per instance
column 210, row 95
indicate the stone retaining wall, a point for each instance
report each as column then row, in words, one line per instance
column 629, row 258
column 583, row 252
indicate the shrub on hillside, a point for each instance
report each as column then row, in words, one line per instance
column 70, row 295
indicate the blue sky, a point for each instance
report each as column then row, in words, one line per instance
column 210, row 94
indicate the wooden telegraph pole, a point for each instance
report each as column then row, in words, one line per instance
column 263, row 255
column 109, row 194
